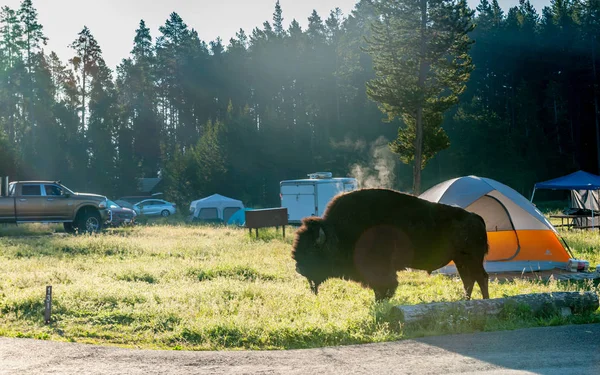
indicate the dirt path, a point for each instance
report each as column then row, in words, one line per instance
column 551, row 350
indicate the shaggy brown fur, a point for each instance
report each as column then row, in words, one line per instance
column 368, row 235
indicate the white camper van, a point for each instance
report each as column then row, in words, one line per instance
column 310, row 196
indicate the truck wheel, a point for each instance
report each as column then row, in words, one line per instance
column 90, row 222
column 69, row 228
column 165, row 213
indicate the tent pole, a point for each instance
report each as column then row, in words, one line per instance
column 568, row 248
column 532, row 194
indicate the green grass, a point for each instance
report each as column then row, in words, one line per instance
column 11, row 230
column 173, row 286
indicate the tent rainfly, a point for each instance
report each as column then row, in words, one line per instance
column 584, row 188
column 215, row 207
column 520, row 237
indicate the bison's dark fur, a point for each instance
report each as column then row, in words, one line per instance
column 368, row 235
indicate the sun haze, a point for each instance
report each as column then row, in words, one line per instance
column 113, row 22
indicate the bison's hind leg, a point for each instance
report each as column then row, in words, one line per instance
column 467, row 280
column 471, row 271
column 483, row 280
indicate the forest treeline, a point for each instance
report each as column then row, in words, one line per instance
column 276, row 103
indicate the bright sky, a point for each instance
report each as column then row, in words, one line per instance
column 113, row 22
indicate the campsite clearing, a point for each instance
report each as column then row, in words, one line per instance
column 198, row 287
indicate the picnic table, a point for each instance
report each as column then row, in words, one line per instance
column 572, row 221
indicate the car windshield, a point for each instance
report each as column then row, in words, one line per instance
column 124, row 204
column 112, row 204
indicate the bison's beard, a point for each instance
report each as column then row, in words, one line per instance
column 314, row 286
column 312, row 282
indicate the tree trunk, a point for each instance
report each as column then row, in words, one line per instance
column 83, row 77
column 418, row 152
column 337, row 88
column 596, row 101
column 419, row 118
column 513, row 120
column 30, row 104
column 557, row 127
column 564, row 303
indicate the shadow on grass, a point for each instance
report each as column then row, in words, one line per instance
column 271, row 234
column 21, row 230
column 230, row 336
column 242, row 273
column 58, row 247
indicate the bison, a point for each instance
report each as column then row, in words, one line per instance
column 368, row 235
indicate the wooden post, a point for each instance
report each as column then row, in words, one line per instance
column 48, row 304
column 283, row 227
column 256, row 232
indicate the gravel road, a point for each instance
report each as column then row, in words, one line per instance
column 561, row 350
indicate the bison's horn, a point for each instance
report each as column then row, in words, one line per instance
column 321, row 239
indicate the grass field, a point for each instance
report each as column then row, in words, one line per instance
column 173, row 286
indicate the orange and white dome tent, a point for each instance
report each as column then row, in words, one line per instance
column 520, row 237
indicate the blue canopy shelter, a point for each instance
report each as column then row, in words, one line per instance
column 579, row 180
column 578, row 183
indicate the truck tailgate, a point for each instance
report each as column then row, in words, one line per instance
column 7, row 210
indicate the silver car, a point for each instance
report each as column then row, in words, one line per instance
column 155, row 207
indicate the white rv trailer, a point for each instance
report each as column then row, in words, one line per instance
column 310, row 196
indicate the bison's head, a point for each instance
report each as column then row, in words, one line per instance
column 310, row 251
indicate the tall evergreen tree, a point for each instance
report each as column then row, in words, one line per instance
column 33, row 35
column 420, row 52
column 278, row 20
column 591, row 28
column 33, row 40
column 86, row 63
column 141, row 91
column 11, row 46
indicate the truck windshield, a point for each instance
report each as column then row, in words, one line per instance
column 66, row 189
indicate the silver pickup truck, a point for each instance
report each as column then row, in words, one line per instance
column 52, row 202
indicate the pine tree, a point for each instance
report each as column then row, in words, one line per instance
column 47, row 154
column 170, row 55
column 591, row 25
column 102, row 128
column 278, row 20
column 420, row 52
column 71, row 137
column 12, row 37
column 11, row 46
column 33, row 34
column 33, row 40
column 87, row 55
column 143, row 99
